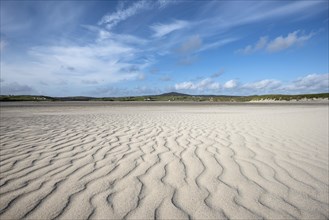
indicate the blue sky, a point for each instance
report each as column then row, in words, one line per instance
column 122, row 48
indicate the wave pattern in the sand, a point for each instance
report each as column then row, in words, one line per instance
column 173, row 164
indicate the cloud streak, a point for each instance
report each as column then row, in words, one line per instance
column 112, row 19
column 261, row 43
column 311, row 82
column 278, row 44
column 160, row 30
column 204, row 84
column 292, row 39
column 121, row 14
column 266, row 84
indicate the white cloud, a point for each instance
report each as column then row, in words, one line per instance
column 253, row 48
column 217, row 43
column 214, row 19
column 277, row 44
column 204, row 84
column 213, row 86
column 232, row 15
column 184, row 86
column 78, row 66
column 281, row 43
column 311, row 82
column 307, row 84
column 279, row 10
column 266, row 84
column 230, row 84
column 165, row 3
column 121, row 14
column 161, row 30
column 105, row 35
column 95, row 58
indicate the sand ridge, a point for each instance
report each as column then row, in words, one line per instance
column 174, row 162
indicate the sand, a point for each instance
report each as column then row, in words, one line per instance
column 144, row 161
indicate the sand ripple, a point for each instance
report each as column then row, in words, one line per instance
column 175, row 162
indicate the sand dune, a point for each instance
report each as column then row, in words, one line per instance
column 166, row 162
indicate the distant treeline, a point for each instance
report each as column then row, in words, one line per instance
column 173, row 96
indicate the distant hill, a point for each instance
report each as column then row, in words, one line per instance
column 174, row 94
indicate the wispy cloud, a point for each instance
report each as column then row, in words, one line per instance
column 122, row 14
column 259, row 11
column 204, row 84
column 164, row 3
column 161, row 30
column 277, row 44
column 281, row 11
column 266, row 84
column 216, row 18
column 292, row 39
column 97, row 63
column 105, row 35
column 217, row 43
column 231, row 84
column 261, row 43
column 218, row 74
column 306, row 84
column 311, row 82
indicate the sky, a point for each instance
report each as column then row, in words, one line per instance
column 147, row 47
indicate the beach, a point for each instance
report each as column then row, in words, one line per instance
column 145, row 160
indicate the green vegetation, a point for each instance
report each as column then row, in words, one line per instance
column 170, row 97
column 12, row 98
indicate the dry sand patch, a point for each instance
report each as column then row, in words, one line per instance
column 155, row 161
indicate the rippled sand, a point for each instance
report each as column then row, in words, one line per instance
column 141, row 161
